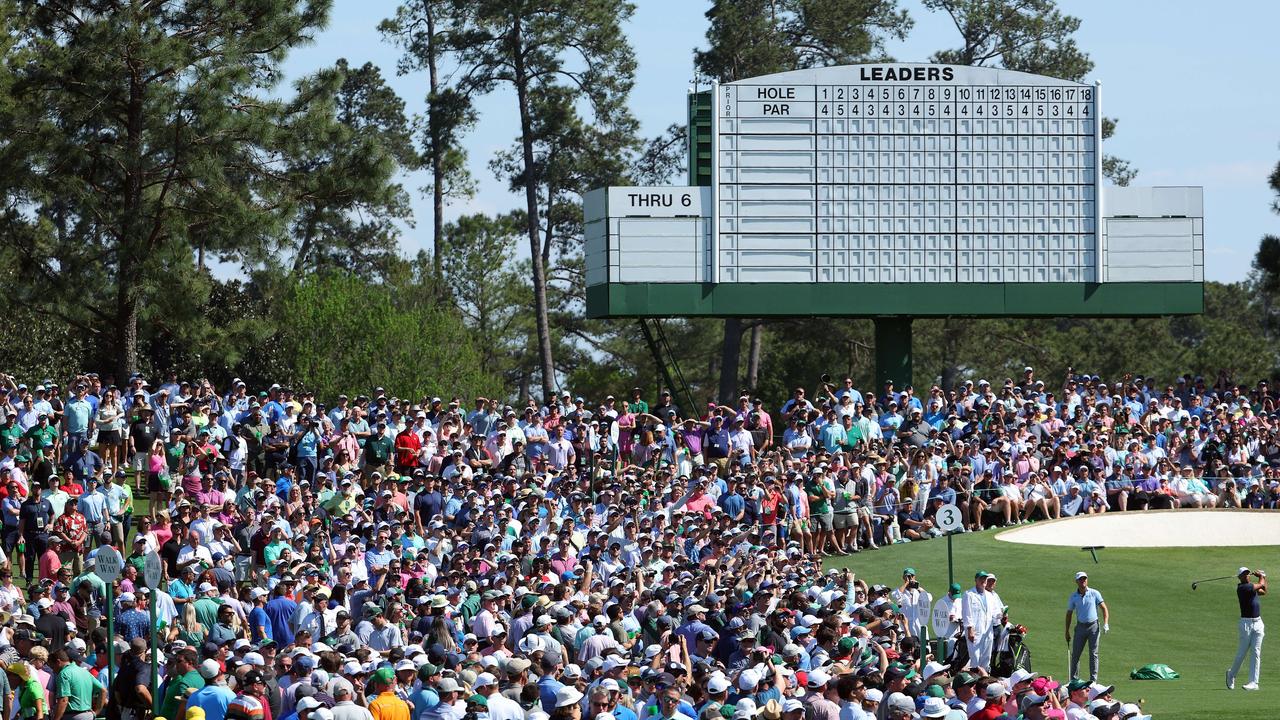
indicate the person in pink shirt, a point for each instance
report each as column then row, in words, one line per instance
column 699, row 501
column 564, row 560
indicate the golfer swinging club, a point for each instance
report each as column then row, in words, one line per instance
column 1085, row 602
column 1251, row 628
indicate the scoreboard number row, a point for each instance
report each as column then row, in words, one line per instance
column 993, row 110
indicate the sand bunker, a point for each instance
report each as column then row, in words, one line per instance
column 1160, row 528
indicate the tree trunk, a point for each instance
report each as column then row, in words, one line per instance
column 753, row 358
column 304, row 249
column 437, row 162
column 949, row 350
column 521, row 83
column 131, row 252
column 730, row 353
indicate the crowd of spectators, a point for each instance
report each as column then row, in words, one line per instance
column 465, row 559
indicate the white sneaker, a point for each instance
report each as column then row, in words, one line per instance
column 1231, row 682
column 1250, row 686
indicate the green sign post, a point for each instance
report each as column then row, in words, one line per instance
column 151, row 574
column 108, row 565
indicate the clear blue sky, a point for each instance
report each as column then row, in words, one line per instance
column 1193, row 84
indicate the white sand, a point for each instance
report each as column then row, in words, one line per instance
column 1159, row 528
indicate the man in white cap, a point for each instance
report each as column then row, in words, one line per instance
column 717, row 693
column 215, row 696
column 818, row 698
column 1093, row 618
column 900, row 707
column 1251, row 627
column 500, row 708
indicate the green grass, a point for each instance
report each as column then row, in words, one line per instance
column 1155, row 616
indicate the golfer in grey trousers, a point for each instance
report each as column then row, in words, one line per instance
column 1092, row 619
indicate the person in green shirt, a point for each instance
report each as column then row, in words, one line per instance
column 182, row 681
column 637, row 405
column 207, row 607
column 43, row 438
column 75, row 691
column 10, row 433
column 96, row 585
column 821, row 492
column 377, row 451
column 271, row 553
column 30, row 696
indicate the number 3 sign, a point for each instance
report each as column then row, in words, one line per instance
column 949, row 519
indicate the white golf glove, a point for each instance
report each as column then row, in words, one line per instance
column 1106, row 628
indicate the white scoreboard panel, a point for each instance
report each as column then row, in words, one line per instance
column 906, row 173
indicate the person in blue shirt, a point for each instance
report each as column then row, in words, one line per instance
column 732, row 503
column 77, row 414
column 1089, row 608
column 259, row 621
column 847, row 388
column 309, row 442
column 280, row 611
column 85, row 463
column 548, row 685
column 131, row 622
column 425, row 697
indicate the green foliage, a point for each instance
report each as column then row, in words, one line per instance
column 346, row 136
column 340, row 334
column 1030, row 36
column 662, row 159
column 1266, row 263
column 489, row 289
column 140, row 136
column 426, row 31
column 747, row 38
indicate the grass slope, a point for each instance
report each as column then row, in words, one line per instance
column 1155, row 616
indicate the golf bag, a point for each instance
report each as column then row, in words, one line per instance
column 1010, row 652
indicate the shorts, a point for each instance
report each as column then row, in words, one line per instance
column 109, row 438
column 843, row 521
column 823, row 521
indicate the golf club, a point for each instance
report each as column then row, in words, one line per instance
column 1224, row 577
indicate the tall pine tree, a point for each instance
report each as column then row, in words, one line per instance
column 138, row 136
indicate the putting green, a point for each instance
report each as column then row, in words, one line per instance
column 1155, row 616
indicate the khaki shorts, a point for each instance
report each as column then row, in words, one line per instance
column 843, row 521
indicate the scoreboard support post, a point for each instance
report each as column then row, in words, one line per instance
column 893, row 351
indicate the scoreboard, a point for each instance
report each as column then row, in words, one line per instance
column 895, row 190
column 906, row 174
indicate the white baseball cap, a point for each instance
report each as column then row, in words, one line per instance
column 1081, row 575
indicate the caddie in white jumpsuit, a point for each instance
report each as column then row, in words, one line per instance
column 913, row 602
column 977, row 622
column 946, row 617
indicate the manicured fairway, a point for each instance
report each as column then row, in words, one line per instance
column 1155, row 615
